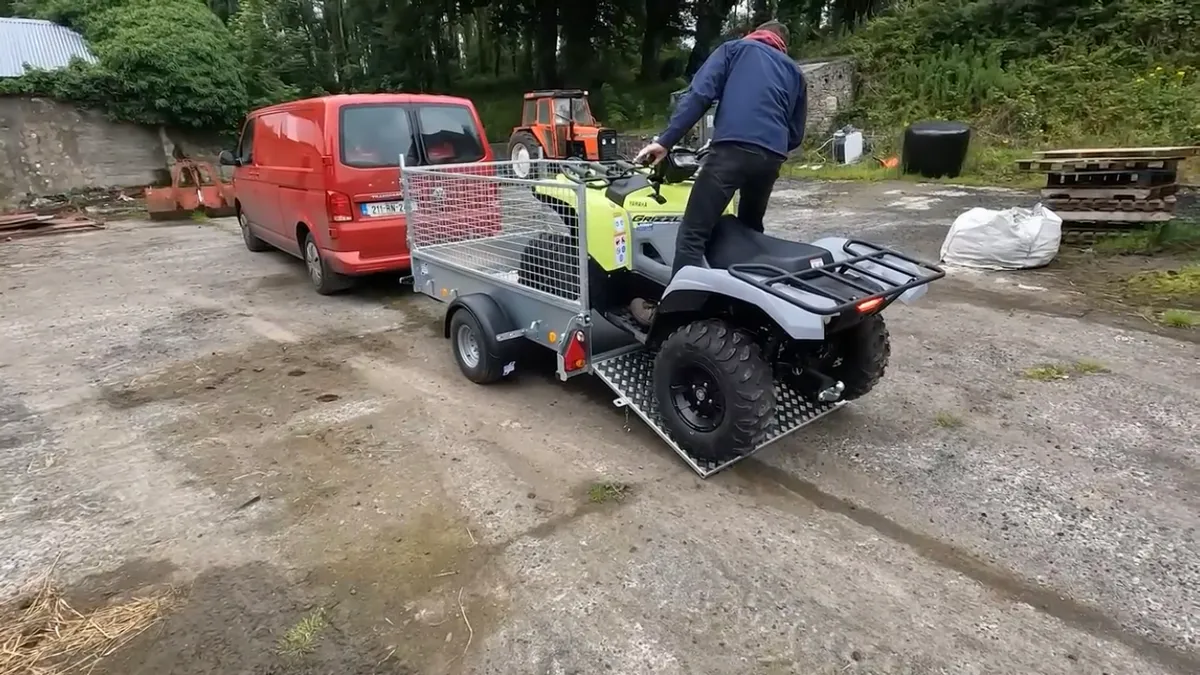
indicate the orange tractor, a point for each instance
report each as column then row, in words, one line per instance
column 558, row 124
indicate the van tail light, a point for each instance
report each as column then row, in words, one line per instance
column 575, row 357
column 338, row 206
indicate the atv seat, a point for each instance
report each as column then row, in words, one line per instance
column 733, row 243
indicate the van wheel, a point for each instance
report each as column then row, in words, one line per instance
column 323, row 279
column 253, row 243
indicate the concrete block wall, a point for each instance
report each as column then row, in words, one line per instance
column 830, row 91
column 48, row 147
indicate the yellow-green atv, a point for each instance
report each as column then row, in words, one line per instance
column 760, row 311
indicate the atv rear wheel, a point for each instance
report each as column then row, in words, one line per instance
column 523, row 149
column 861, row 356
column 715, row 392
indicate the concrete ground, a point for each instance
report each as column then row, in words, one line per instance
column 176, row 409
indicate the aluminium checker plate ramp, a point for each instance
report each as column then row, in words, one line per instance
column 630, row 376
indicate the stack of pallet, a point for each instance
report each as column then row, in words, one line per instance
column 1109, row 190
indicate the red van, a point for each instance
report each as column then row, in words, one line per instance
column 319, row 178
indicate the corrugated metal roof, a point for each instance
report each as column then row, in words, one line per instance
column 41, row 44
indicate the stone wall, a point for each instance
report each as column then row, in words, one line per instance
column 830, row 92
column 48, row 147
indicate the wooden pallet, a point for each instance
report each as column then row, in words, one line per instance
column 1100, row 204
column 1107, row 164
column 1140, row 217
column 1105, row 191
column 1179, row 151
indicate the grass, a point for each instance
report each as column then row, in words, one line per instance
column 301, row 638
column 605, row 492
column 985, row 166
column 1049, row 372
column 1178, row 236
column 1180, row 318
column 947, row 420
column 199, row 215
column 1089, row 367
column 1181, row 285
column 1046, row 372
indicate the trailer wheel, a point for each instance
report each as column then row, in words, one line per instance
column 715, row 392
column 474, row 350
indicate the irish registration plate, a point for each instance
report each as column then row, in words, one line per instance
column 382, row 209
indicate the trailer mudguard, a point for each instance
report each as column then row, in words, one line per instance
column 492, row 318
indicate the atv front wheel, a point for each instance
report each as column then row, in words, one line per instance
column 861, row 356
column 715, row 392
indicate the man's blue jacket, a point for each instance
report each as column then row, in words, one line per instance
column 762, row 98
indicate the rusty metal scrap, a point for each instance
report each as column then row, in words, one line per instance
column 22, row 225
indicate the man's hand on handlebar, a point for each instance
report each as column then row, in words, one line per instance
column 650, row 155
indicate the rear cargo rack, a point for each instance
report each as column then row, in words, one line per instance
column 832, row 281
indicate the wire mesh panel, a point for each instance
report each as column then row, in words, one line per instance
column 480, row 219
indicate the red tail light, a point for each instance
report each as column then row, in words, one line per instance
column 338, row 206
column 575, row 358
column 869, row 305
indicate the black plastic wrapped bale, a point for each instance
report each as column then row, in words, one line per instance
column 935, row 148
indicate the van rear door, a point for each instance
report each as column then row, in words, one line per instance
column 371, row 139
column 450, row 133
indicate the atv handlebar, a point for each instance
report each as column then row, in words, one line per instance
column 598, row 174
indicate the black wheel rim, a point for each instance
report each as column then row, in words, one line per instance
column 697, row 398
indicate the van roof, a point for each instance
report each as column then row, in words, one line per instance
column 350, row 99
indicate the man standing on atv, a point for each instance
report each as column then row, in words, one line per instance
column 759, row 121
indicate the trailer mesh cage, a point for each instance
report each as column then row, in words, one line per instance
column 480, row 219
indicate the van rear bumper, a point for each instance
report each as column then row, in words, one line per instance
column 351, row 263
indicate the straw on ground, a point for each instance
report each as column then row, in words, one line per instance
column 42, row 634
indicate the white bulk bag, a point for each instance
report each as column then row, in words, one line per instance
column 1011, row 239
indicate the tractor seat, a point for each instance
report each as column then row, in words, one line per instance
column 733, row 243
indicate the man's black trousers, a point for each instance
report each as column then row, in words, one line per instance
column 727, row 168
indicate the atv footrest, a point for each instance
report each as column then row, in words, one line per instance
column 630, row 375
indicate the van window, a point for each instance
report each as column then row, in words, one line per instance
column 245, row 150
column 449, row 134
column 374, row 136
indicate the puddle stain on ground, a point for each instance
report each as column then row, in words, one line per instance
column 385, row 554
column 768, row 480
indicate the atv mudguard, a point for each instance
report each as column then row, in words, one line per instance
column 692, row 287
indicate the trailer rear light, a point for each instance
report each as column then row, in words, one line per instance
column 575, row 357
column 869, row 305
column 338, row 206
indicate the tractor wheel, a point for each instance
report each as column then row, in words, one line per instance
column 715, row 392
column 523, row 150
column 862, row 352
